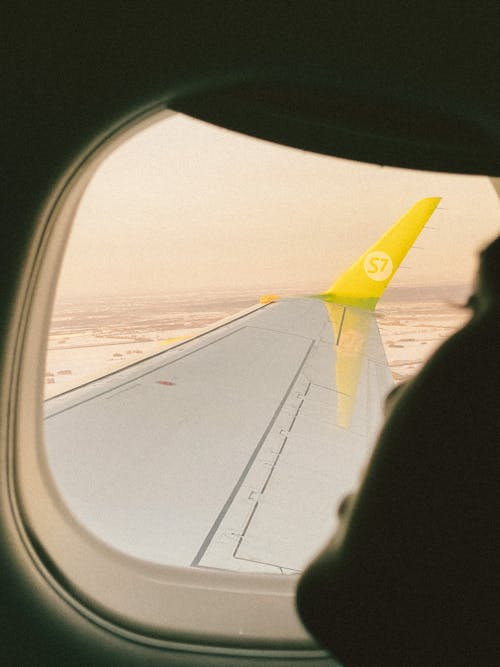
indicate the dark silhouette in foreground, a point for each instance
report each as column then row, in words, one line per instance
column 412, row 575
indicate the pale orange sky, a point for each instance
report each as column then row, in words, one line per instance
column 184, row 204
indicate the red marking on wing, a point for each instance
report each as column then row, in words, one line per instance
column 166, row 383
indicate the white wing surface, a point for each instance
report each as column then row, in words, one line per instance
column 230, row 450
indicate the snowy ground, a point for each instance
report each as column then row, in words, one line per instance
column 411, row 331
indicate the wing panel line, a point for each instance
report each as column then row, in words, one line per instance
column 231, row 497
column 340, row 327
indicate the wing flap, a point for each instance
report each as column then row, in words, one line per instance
column 313, row 464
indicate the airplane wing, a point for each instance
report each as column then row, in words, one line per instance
column 227, row 450
column 231, row 449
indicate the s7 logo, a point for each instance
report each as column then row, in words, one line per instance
column 378, row 265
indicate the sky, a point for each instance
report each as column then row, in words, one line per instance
column 186, row 205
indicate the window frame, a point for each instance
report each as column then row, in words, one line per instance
column 186, row 608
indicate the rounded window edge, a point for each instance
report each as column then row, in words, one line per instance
column 161, row 604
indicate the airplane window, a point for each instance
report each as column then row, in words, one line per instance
column 215, row 373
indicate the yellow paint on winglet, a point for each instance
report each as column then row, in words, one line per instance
column 365, row 281
column 351, row 329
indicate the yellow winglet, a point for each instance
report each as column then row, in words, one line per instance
column 364, row 282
